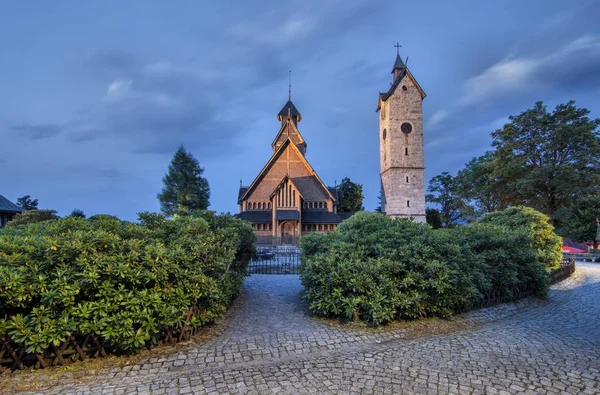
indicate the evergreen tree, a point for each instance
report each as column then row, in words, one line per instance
column 26, row 203
column 350, row 196
column 185, row 190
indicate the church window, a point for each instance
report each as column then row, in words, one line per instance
column 408, row 203
column 406, row 151
column 404, row 88
column 384, row 134
column 406, row 127
column 406, row 179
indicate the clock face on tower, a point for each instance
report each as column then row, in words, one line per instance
column 406, row 127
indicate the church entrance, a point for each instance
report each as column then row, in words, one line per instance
column 288, row 232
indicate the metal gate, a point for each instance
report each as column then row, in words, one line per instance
column 283, row 259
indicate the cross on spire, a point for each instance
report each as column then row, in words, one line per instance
column 290, row 87
column 398, row 46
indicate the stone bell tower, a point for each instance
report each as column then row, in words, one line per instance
column 401, row 145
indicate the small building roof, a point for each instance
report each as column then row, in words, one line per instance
column 6, row 206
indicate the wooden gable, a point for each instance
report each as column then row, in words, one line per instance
column 287, row 161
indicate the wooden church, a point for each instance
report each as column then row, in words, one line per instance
column 287, row 199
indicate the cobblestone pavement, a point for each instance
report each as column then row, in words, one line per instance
column 272, row 346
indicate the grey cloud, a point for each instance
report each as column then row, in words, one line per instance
column 82, row 136
column 37, row 131
column 110, row 63
column 96, row 172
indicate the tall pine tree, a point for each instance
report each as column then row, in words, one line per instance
column 185, row 190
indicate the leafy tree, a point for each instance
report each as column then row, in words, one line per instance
column 480, row 188
column 77, row 213
column 26, row 203
column 545, row 242
column 548, row 158
column 443, row 191
column 433, row 218
column 32, row 216
column 350, row 195
column 185, row 190
column 578, row 221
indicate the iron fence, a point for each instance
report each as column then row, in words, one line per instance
column 283, row 259
column 567, row 268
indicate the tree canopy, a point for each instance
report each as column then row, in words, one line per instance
column 26, row 203
column 443, row 192
column 541, row 159
column 548, row 158
column 578, row 221
column 350, row 196
column 185, row 190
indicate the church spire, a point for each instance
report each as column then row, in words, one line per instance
column 399, row 65
column 289, row 110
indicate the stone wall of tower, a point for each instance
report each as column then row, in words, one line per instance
column 401, row 154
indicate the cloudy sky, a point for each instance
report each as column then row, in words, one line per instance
column 95, row 98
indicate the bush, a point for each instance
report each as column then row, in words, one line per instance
column 32, row 216
column 123, row 281
column 377, row 269
column 548, row 246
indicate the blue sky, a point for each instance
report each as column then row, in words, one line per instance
column 96, row 97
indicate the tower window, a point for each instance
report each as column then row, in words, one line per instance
column 406, row 151
column 404, row 88
column 408, row 203
column 384, row 133
column 407, row 179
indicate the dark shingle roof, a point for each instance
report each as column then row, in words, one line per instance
column 241, row 193
column 6, row 206
column 291, row 107
column 310, row 188
column 320, row 217
column 399, row 64
column 287, row 215
column 255, row 216
column 334, row 192
column 384, row 95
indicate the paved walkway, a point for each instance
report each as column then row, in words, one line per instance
column 272, row 346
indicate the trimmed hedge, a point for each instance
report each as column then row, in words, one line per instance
column 122, row 281
column 377, row 269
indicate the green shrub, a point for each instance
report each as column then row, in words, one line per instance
column 32, row 216
column 548, row 245
column 377, row 269
column 123, row 281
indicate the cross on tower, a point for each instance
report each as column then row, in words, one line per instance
column 398, row 46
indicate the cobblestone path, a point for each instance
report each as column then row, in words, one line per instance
column 272, row 346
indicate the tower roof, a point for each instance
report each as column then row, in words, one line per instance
column 289, row 108
column 398, row 64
